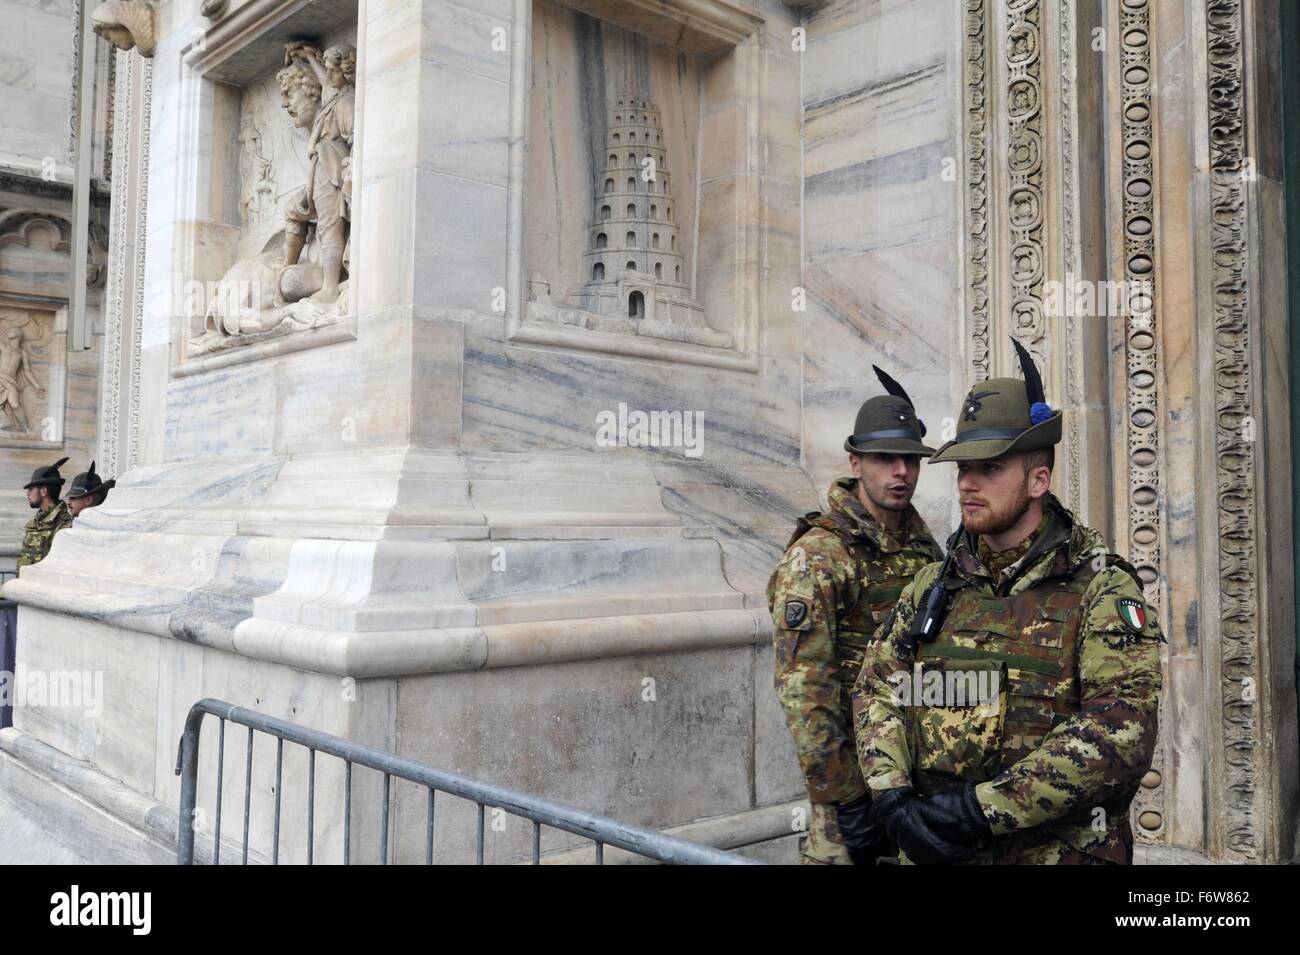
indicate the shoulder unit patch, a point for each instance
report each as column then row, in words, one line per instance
column 795, row 611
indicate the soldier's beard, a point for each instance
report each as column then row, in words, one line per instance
column 996, row 517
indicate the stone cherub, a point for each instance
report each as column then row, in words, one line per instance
column 127, row 24
column 16, row 375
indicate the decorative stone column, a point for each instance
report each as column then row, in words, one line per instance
column 120, row 393
column 1184, row 416
column 1204, row 503
column 1029, row 87
column 1248, row 641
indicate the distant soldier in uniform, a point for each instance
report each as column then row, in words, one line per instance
column 43, row 495
column 841, row 575
column 88, row 491
column 1043, row 770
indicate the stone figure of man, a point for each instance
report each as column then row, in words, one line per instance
column 16, row 375
column 325, row 199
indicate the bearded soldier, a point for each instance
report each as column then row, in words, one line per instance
column 1034, row 612
column 841, row 574
column 43, row 495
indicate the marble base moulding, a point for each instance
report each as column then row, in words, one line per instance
column 585, row 737
column 214, row 587
column 409, row 562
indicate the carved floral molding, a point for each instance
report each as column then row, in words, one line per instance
column 1238, row 564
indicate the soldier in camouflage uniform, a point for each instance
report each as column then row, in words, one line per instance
column 1041, row 770
column 43, row 495
column 841, row 575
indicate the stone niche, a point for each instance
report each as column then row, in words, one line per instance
column 33, row 374
column 634, row 242
column 48, row 394
column 264, row 268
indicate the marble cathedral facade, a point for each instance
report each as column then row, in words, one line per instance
column 375, row 270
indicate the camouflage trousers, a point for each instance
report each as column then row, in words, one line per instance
column 821, row 844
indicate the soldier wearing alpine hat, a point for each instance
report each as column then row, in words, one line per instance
column 43, row 495
column 841, row 574
column 1032, row 608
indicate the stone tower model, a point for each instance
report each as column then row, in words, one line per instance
column 634, row 265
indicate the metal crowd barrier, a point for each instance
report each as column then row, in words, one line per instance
column 8, row 646
column 602, row 831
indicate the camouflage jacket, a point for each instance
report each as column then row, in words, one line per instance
column 839, row 578
column 1058, row 749
column 40, row 531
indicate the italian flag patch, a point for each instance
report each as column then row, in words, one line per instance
column 1134, row 613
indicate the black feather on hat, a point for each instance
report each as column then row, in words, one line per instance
column 887, row 424
column 891, row 386
column 48, row 476
column 88, row 482
column 1003, row 416
column 897, row 390
column 1039, row 410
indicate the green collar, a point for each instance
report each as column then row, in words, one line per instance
column 1059, row 530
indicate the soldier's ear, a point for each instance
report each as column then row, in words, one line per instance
column 1041, row 482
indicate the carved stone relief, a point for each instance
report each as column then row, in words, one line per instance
column 127, row 24
column 1141, row 354
column 43, row 230
column 27, row 227
column 975, row 117
column 712, row 108
column 634, row 280
column 1018, row 232
column 256, row 172
column 1238, row 622
column 119, row 425
column 24, row 371
column 1025, row 201
column 292, row 269
column 1071, row 253
column 31, row 377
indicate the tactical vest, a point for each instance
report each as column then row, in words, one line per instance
column 881, row 578
column 1028, row 643
column 39, row 533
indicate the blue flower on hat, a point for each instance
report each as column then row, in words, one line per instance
column 1039, row 412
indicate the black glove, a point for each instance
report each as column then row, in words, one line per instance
column 956, row 816
column 899, row 812
column 865, row 841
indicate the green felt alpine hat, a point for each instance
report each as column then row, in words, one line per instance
column 887, row 424
column 47, row 476
column 88, row 482
column 1003, row 416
